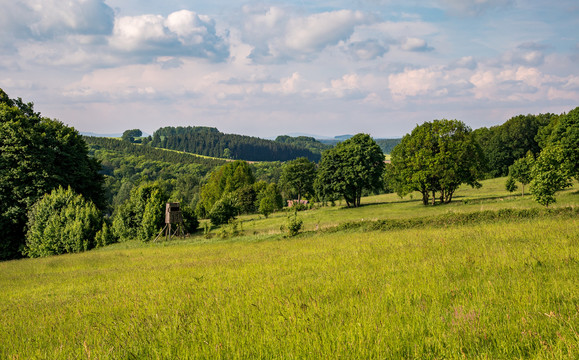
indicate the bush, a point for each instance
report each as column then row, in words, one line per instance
column 294, row 225
column 190, row 220
column 62, row 222
column 224, row 210
column 142, row 216
column 105, row 235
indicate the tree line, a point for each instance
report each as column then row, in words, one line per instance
column 211, row 142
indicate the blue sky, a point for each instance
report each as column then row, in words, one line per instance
column 279, row 67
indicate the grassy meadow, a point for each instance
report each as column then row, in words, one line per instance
column 500, row 289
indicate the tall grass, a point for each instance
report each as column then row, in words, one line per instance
column 500, row 290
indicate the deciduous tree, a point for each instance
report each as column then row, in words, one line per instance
column 38, row 155
column 437, row 157
column 297, row 177
column 352, row 167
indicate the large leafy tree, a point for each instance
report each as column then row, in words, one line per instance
column 38, row 155
column 297, row 177
column 437, row 157
column 352, row 167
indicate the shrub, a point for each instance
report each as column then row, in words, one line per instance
column 190, row 220
column 294, row 225
column 62, row 222
column 224, row 210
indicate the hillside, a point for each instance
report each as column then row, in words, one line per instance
column 212, row 142
column 385, row 144
column 502, row 282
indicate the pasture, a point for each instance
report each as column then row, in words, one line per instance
column 506, row 288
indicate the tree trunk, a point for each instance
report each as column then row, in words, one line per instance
column 425, row 197
column 433, row 197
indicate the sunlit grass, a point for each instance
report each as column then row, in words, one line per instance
column 504, row 290
column 491, row 196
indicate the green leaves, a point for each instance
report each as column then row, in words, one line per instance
column 297, row 178
column 437, row 156
column 352, row 167
column 36, row 156
column 62, row 222
column 549, row 175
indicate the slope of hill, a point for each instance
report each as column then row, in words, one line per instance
column 212, row 142
column 502, row 287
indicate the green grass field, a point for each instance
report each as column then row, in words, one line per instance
column 500, row 289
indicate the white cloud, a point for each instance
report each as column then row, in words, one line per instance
column 415, row 44
column 45, row 19
column 182, row 33
column 279, row 34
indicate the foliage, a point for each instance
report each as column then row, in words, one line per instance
column 143, row 215
column 130, row 135
column 269, row 200
column 521, row 170
column 352, row 167
column 105, row 236
column 125, row 164
column 565, row 135
column 503, row 144
column 297, row 178
column 190, row 220
column 294, row 224
column 387, row 145
column 511, row 184
column 210, row 142
column 305, row 142
column 38, row 155
column 62, row 222
column 437, row 156
column 224, row 180
column 559, row 160
column 224, row 210
column 549, row 175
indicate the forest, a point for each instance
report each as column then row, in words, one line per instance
column 211, row 142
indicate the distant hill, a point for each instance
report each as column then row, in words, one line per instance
column 385, row 144
column 305, row 142
column 91, row 134
column 211, row 142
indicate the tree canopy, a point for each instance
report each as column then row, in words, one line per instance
column 352, row 167
column 297, row 178
column 505, row 143
column 437, row 157
column 225, row 179
column 38, row 155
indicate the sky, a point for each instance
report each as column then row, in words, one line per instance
column 268, row 68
